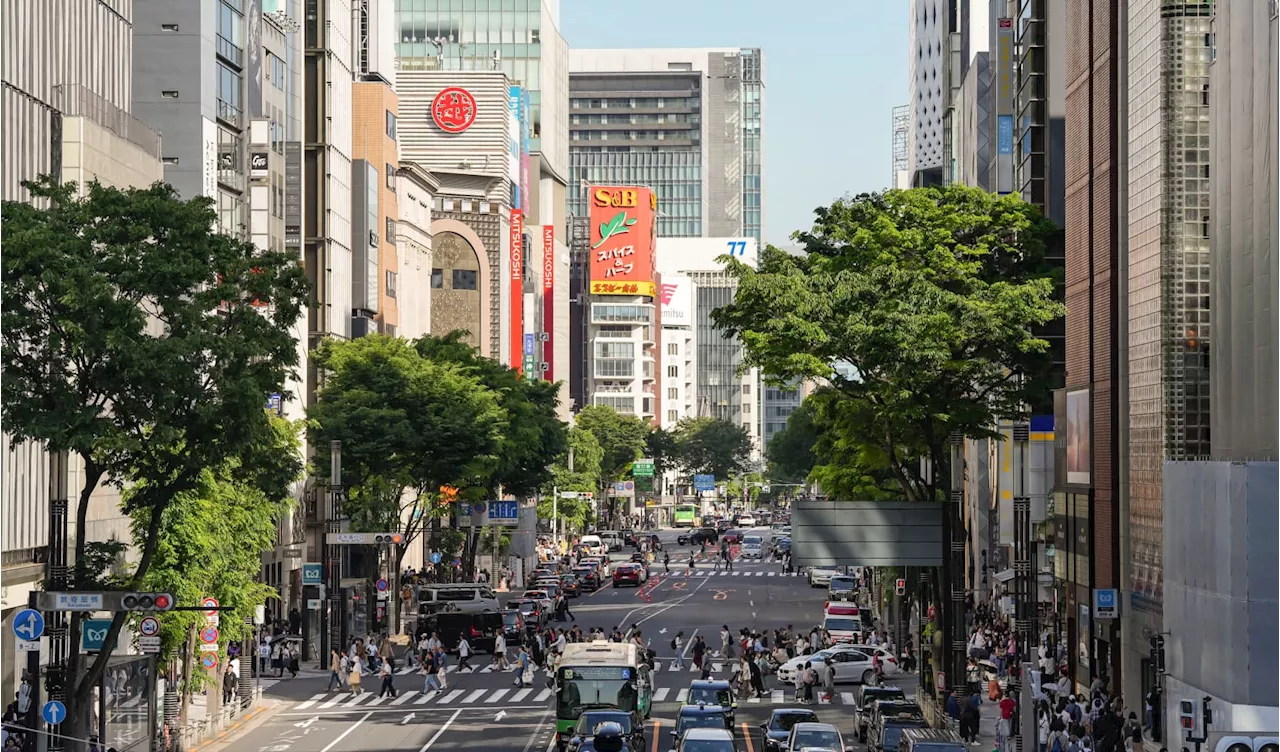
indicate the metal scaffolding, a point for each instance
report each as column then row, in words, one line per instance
column 901, row 128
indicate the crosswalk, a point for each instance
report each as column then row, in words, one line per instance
column 446, row 696
column 487, row 668
column 531, row 695
column 710, row 572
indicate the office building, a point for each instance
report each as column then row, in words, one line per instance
column 416, row 191
column 971, row 154
column 901, row 177
column 929, row 27
column 680, row 356
column 686, row 122
column 1087, row 498
column 722, row 392
column 1217, row 561
column 68, row 115
column 1168, row 273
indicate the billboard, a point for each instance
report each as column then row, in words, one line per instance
column 676, row 294
column 623, row 235
column 682, row 255
column 517, row 288
column 1079, row 452
column 549, row 299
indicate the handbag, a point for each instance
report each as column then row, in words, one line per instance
column 527, row 676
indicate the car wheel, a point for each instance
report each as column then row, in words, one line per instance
column 868, row 676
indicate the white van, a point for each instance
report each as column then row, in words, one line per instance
column 594, row 545
column 470, row 598
column 612, row 540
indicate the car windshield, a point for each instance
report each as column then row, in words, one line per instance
column 709, row 696
column 751, row 540
column 583, row 572
column 871, row 695
column 784, row 721
column 593, row 718
column 893, row 734
column 511, row 619
column 842, row 583
column 841, row 625
column 707, row 745
column 816, row 738
column 701, row 720
column 528, row 607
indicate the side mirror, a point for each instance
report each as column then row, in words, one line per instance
column 764, row 727
column 673, row 734
column 733, row 706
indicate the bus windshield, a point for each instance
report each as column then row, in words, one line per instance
column 595, row 687
column 684, row 514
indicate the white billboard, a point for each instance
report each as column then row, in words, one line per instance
column 676, row 294
column 675, row 255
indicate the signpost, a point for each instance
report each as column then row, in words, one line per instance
column 504, row 512
column 93, row 634
column 642, row 469
column 312, row 573
column 209, row 640
column 210, row 606
column 382, row 584
column 149, row 635
column 436, row 557
column 209, row 661
column 1106, row 603
column 28, row 627
column 704, row 482
column 53, row 712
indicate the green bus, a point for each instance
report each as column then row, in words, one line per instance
column 600, row 675
column 686, row 515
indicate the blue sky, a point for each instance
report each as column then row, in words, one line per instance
column 833, row 72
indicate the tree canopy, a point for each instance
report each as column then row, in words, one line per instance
column 712, row 447
column 585, row 476
column 146, row 343
column 623, row 438
column 932, row 295
column 790, row 454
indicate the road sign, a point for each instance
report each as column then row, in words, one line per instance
column 209, row 635
column 1106, row 603
column 313, row 604
column 210, row 605
column 149, row 627
column 382, row 584
column 436, row 557
column 77, row 601
column 568, row 494
column 208, row 647
column 704, row 482
column 53, row 712
column 93, row 634
column 642, row 468
column 504, row 512
column 357, row 539
column 312, row 573
column 28, row 625
column 149, row 644
column 209, row 661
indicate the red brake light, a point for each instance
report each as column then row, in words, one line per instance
column 891, row 659
column 475, row 632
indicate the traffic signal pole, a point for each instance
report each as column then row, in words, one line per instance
column 331, row 604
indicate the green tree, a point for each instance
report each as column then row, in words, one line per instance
column 585, row 477
column 932, row 295
column 790, row 454
column 712, row 447
column 533, row 435
column 660, row 446
column 623, row 439
column 145, row 343
column 409, row 426
column 214, row 538
column 845, row 466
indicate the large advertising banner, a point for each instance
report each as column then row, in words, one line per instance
column 517, row 289
column 549, row 300
column 623, row 235
column 677, row 300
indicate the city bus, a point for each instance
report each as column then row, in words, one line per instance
column 600, row 675
column 686, row 515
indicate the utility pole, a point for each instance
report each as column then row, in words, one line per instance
column 952, row 591
column 331, row 605
column 59, row 684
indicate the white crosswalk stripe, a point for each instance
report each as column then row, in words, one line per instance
column 428, row 697
column 661, row 693
column 497, row 695
column 521, row 694
column 847, row 698
column 314, row 699
column 543, row 695
column 776, row 695
column 404, row 697
column 376, row 701
column 475, row 695
column 453, row 695
column 356, row 700
column 334, row 701
column 682, row 695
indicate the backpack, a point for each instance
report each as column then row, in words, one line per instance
column 673, row 644
column 1056, row 746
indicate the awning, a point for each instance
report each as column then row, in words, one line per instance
column 1004, row 576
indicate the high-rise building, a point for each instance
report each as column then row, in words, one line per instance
column 686, row 122
column 67, row 114
column 1087, row 494
column 929, row 29
column 1168, row 48
column 901, row 163
column 680, row 354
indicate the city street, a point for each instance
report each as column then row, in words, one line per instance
column 484, row 710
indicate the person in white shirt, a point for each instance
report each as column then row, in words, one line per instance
column 500, row 652
column 388, row 688
column 464, row 654
column 560, row 643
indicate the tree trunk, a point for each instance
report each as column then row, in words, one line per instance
column 188, row 645
column 393, row 606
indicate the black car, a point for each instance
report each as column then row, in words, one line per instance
column 535, row 617
column 588, row 578
column 629, row 538
column 781, row 546
column 513, row 626
column 713, row 692
column 699, row 536
column 865, row 700
column 699, row 716
column 778, row 728
column 888, row 721
column 569, row 584
column 580, row 740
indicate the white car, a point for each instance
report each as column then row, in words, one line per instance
column 752, row 546
column 541, row 597
column 806, row 736
column 746, row 520
column 707, row 740
column 852, row 663
column 594, row 545
column 821, row 576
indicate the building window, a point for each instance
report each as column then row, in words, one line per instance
column 746, row 389
column 673, row 392
column 625, row 405
column 673, row 348
column 673, row 416
column 623, row 350
column 391, row 176
column 437, row 279
column 673, row 371
column 390, row 234
column 391, row 124
column 464, row 279
column 608, row 368
column 391, row 284
column 746, row 407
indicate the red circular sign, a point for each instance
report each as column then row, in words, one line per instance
column 453, row 109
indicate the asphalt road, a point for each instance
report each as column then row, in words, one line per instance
column 484, row 710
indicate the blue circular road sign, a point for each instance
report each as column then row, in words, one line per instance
column 53, row 712
column 382, row 584
column 477, row 507
column 28, row 625
column 436, row 557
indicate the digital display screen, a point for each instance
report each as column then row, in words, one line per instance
column 597, row 673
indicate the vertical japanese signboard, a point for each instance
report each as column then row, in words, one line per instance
column 517, row 288
column 623, row 235
column 549, row 299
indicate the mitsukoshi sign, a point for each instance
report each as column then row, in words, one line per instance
column 623, row 235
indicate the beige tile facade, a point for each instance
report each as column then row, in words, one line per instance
column 374, row 104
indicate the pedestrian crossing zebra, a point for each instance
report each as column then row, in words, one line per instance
column 446, row 696
column 488, row 668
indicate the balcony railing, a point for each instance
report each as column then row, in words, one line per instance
column 229, row 112
column 75, row 100
column 231, row 52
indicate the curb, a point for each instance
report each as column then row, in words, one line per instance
column 243, row 725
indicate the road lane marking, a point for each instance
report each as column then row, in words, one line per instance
column 542, row 696
column 847, row 698
column 440, row 731
column 453, row 695
column 308, row 703
column 377, row 701
column 356, row 700
column 427, row 697
column 657, row 729
column 474, row 695
column 344, row 734
column 497, row 695
column 521, row 694
column 404, row 697
column 754, row 700
column 335, row 701
column 761, row 573
column 746, row 736
column 776, row 696
column 661, row 693
column 682, row 695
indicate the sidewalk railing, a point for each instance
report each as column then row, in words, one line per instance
column 178, row 738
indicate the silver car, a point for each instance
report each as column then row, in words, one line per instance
column 821, row 576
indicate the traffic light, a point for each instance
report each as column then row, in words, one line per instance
column 1189, row 717
column 146, row 602
column 902, row 586
column 386, row 539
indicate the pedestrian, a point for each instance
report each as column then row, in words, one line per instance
column 677, row 643
column 293, row 662
column 726, row 643
column 757, row 678
column 810, row 680
column 524, row 668
column 353, row 679
column 264, row 655
column 798, row 680
column 969, row 719
column 430, row 681
column 567, row 612
column 728, row 559
column 335, row 670
column 388, row 677
column 689, row 571
column 699, row 652
column 666, row 561
column 464, row 654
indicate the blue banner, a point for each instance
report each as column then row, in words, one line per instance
column 1005, row 134
column 528, row 344
column 504, row 510
column 704, row 482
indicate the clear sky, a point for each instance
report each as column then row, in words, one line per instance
column 834, row 70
